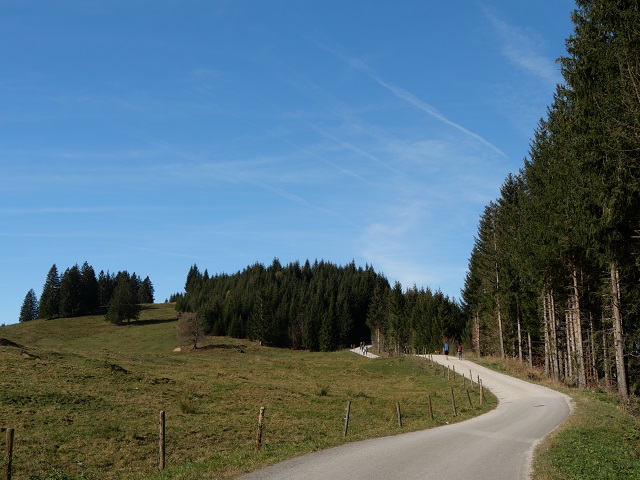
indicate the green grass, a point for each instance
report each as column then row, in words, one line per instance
column 85, row 402
column 600, row 440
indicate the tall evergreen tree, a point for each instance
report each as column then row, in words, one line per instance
column 106, row 285
column 71, row 299
column 29, row 309
column 50, row 298
column 89, row 289
column 145, row 292
column 124, row 301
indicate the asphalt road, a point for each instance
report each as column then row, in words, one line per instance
column 497, row 445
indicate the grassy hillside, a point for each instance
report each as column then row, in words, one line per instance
column 84, row 397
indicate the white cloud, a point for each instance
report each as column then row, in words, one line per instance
column 523, row 49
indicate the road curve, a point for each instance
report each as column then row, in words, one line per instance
column 494, row 446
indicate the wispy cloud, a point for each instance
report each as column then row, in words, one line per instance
column 409, row 97
column 523, row 49
column 354, row 148
column 65, row 210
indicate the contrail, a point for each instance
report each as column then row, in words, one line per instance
column 409, row 97
column 425, row 107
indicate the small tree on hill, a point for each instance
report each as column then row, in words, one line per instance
column 29, row 310
column 191, row 328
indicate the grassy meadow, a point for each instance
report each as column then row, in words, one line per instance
column 84, row 398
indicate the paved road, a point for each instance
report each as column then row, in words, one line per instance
column 495, row 446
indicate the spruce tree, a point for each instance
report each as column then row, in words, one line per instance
column 89, row 289
column 71, row 302
column 29, row 310
column 124, row 301
column 50, row 298
column 145, row 292
column 106, row 285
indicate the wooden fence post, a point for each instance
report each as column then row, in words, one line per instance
column 464, row 381
column 430, row 407
column 8, row 454
column 448, row 374
column 399, row 415
column 259, row 434
column 346, row 418
column 469, row 397
column 453, row 403
column 161, row 442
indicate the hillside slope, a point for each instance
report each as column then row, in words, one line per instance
column 84, row 395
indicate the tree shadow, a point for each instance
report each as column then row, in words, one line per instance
column 150, row 322
column 222, row 346
column 5, row 342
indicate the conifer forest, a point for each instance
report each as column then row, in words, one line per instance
column 554, row 274
column 321, row 306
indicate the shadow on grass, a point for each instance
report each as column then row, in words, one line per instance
column 222, row 346
column 149, row 322
column 5, row 342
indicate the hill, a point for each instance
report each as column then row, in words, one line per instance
column 84, row 396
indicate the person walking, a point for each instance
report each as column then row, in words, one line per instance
column 446, row 350
column 459, row 352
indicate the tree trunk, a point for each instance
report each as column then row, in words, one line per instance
column 570, row 343
column 555, row 362
column 519, row 334
column 605, row 354
column 621, row 373
column 530, row 350
column 582, row 380
column 547, row 343
column 502, row 355
column 476, row 336
column 592, row 335
column 495, row 248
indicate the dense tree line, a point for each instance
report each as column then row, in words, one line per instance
column 320, row 306
column 554, row 275
column 79, row 292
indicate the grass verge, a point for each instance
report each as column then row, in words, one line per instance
column 600, row 440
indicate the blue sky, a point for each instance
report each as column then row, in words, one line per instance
column 151, row 135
